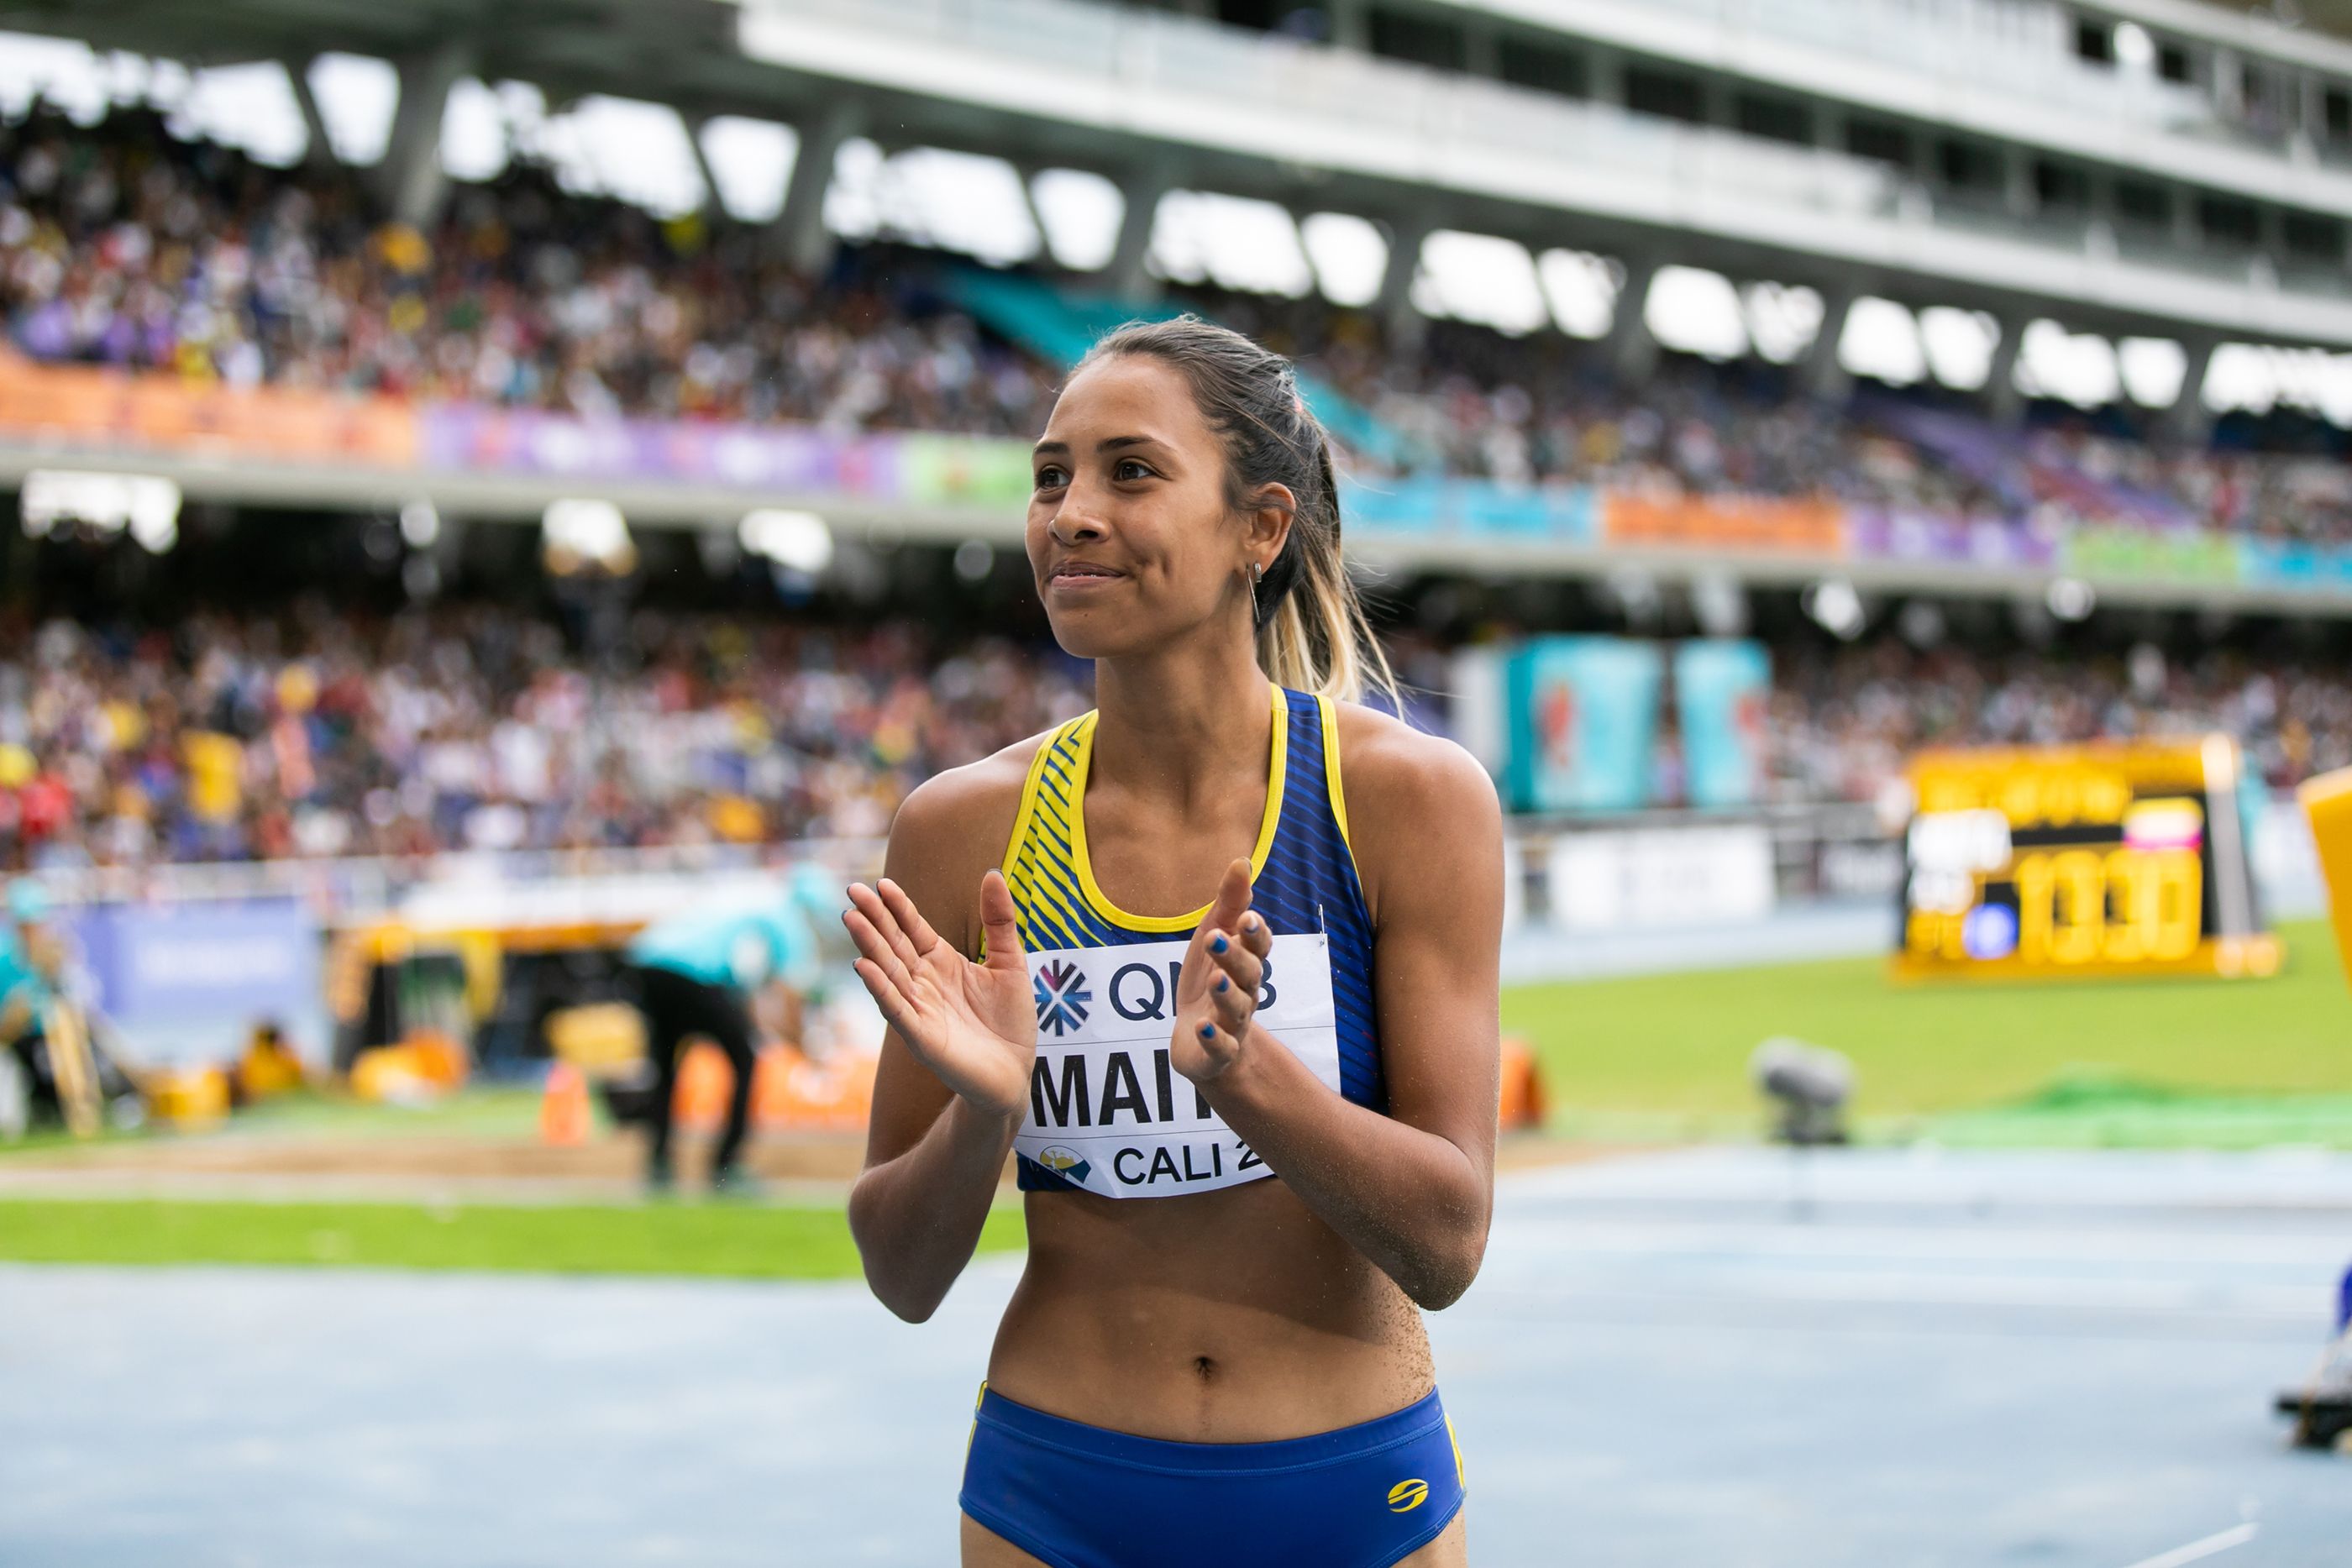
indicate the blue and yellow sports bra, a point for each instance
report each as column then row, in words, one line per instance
column 1107, row 1114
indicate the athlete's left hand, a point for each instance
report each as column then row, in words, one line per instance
column 1216, row 992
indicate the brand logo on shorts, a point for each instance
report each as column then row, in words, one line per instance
column 1065, row 1162
column 1408, row 1495
column 1061, row 997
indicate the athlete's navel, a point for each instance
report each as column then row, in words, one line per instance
column 1204, row 1367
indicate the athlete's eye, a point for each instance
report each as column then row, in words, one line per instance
column 1051, row 477
column 1141, row 470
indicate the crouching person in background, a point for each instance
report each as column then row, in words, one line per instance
column 720, row 973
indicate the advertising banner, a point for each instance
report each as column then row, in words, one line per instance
column 1478, row 699
column 1757, row 524
column 82, row 405
column 1664, row 876
column 100, row 410
column 2282, row 563
column 186, row 980
column 1470, row 507
column 1877, row 533
column 1583, row 724
column 964, row 470
column 465, row 438
column 2106, row 550
column 1721, row 687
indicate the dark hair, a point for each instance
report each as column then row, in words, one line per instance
column 1311, row 630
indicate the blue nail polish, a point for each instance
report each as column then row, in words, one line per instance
column 1218, row 946
column 1223, row 984
column 1208, row 1032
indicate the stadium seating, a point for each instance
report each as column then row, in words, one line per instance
column 481, row 727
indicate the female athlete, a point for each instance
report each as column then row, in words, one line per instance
column 1235, row 1021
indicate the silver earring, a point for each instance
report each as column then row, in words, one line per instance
column 1258, row 575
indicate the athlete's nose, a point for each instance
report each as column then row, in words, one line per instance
column 1071, row 527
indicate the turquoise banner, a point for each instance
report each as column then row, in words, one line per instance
column 1721, row 686
column 1583, row 723
column 2279, row 563
column 1472, row 507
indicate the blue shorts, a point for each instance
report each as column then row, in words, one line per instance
column 1076, row 1495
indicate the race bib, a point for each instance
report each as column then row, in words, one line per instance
column 1107, row 1112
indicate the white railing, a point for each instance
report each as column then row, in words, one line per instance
column 566, row 884
column 354, row 887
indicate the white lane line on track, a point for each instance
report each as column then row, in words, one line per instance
column 2079, row 1245
column 2197, row 1551
column 1830, row 1286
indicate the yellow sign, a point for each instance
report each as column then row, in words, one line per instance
column 2328, row 801
column 2107, row 859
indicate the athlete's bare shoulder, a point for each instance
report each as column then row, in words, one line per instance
column 952, row 827
column 1419, row 807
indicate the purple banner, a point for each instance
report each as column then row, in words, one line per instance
column 183, row 981
column 795, row 458
column 1874, row 533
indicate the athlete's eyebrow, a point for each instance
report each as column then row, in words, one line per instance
column 1108, row 444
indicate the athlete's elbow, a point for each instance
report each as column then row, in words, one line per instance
column 909, row 1299
column 1446, row 1273
column 898, row 1285
column 907, row 1306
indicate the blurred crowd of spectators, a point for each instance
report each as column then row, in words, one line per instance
column 2291, row 497
column 476, row 728
column 121, row 244
column 319, row 733
column 1844, row 722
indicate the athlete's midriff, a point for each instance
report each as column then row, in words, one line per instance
column 1226, row 1317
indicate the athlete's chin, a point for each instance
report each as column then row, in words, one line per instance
column 1097, row 632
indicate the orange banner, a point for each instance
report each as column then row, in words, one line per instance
column 1724, row 522
column 81, row 405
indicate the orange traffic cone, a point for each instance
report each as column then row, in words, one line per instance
column 1523, row 1091
column 563, row 1110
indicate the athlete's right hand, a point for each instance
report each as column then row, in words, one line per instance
column 973, row 1024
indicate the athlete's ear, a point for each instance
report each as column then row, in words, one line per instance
column 1267, row 526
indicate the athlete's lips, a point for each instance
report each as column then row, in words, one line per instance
column 1082, row 574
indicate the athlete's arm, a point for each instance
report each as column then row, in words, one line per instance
column 934, row 1154
column 1414, row 1189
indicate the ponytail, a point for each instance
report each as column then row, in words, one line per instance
column 1312, row 632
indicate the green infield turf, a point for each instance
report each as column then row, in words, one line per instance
column 1664, row 1057
column 739, row 1240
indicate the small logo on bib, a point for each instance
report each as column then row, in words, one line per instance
column 1406, row 1496
column 1062, row 997
column 1064, row 1162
